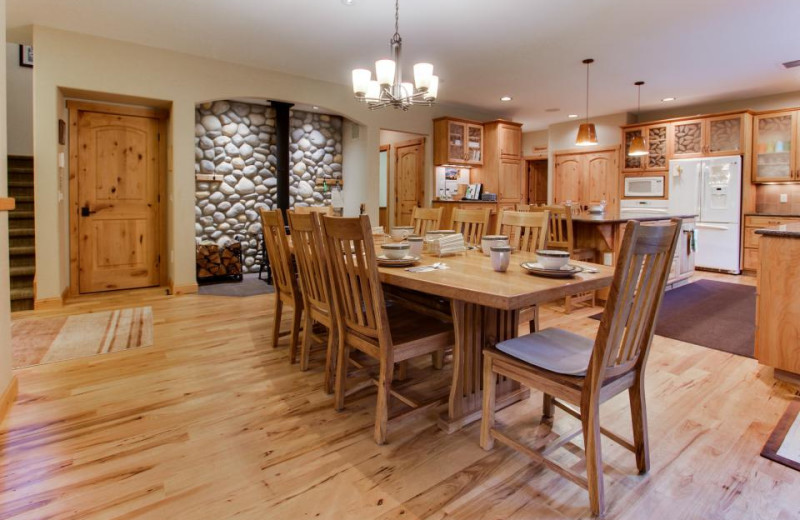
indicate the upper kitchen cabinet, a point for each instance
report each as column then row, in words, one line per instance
column 457, row 142
column 709, row 136
column 502, row 171
column 775, row 142
column 656, row 140
column 687, row 139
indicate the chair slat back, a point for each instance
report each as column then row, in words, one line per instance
column 559, row 229
column 527, row 231
column 472, row 223
column 309, row 252
column 305, row 210
column 628, row 322
column 524, row 207
column 280, row 259
column 358, row 297
column 426, row 219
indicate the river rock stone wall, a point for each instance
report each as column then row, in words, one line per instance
column 237, row 141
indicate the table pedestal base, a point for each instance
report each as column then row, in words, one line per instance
column 477, row 327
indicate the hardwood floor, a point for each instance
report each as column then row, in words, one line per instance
column 213, row 423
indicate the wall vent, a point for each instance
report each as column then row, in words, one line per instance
column 791, row 64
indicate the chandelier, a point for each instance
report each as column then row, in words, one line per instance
column 388, row 89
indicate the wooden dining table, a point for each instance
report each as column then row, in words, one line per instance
column 485, row 307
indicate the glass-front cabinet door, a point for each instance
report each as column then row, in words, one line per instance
column 456, row 139
column 687, row 139
column 774, row 142
column 725, row 135
column 636, row 163
column 474, row 144
column 657, row 146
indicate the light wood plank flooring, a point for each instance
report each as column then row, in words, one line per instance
column 213, row 423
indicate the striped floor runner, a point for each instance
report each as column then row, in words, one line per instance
column 45, row 340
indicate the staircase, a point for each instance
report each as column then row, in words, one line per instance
column 21, row 247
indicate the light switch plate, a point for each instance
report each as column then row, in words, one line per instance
column 784, row 198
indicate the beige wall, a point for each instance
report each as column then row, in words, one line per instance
column 5, row 301
column 76, row 61
column 19, row 105
column 786, row 100
column 533, row 142
column 391, row 138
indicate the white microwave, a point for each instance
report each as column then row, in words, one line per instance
column 637, row 187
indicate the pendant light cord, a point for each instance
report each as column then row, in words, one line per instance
column 397, row 18
column 587, row 93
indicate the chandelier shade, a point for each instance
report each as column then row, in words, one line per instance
column 388, row 89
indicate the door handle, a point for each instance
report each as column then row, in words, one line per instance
column 85, row 211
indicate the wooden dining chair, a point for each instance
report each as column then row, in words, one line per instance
column 585, row 373
column 527, row 231
column 315, row 283
column 388, row 335
column 560, row 235
column 305, row 210
column 284, row 278
column 472, row 223
column 426, row 219
column 523, row 207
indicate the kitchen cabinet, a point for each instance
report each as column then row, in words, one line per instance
column 656, row 139
column 502, row 171
column 751, row 239
column 708, row 136
column 457, row 142
column 584, row 177
column 686, row 139
column 775, row 143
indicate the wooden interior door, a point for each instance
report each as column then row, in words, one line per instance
column 408, row 179
column 600, row 179
column 537, row 181
column 567, row 178
column 118, row 201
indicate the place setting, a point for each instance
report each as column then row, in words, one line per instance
column 552, row 263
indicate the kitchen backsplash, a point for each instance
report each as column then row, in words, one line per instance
column 768, row 199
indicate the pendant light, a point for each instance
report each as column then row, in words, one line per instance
column 587, row 135
column 638, row 146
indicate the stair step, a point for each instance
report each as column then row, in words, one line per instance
column 17, row 215
column 20, row 184
column 23, row 198
column 24, row 270
column 21, row 232
column 21, row 250
column 21, row 294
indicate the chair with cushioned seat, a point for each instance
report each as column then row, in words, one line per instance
column 584, row 372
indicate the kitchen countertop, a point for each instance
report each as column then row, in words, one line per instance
column 753, row 214
column 468, row 200
column 616, row 218
column 783, row 231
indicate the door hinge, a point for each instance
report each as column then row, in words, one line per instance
column 158, row 259
column 158, row 137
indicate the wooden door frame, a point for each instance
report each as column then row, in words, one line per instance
column 162, row 116
column 421, row 175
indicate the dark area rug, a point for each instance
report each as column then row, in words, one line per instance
column 249, row 286
column 711, row 314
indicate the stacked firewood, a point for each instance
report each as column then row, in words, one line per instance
column 213, row 260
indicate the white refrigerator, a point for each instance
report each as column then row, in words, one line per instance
column 710, row 188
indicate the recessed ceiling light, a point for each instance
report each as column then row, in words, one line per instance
column 315, row 107
column 348, row 2
column 669, row 99
column 572, row 116
column 505, row 98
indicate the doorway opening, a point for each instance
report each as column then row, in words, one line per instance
column 405, row 175
column 536, row 170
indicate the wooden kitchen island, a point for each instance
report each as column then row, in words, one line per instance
column 602, row 233
column 778, row 301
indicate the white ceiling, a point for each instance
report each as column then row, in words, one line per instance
column 695, row 50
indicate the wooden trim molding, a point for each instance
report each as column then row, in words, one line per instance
column 7, row 204
column 586, row 150
column 8, row 397
column 176, row 290
column 122, row 110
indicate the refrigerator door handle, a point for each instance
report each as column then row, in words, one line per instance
column 711, row 226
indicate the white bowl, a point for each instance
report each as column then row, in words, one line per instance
column 597, row 208
column 552, row 258
column 400, row 233
column 395, row 251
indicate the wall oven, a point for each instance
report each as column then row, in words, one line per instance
column 638, row 187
